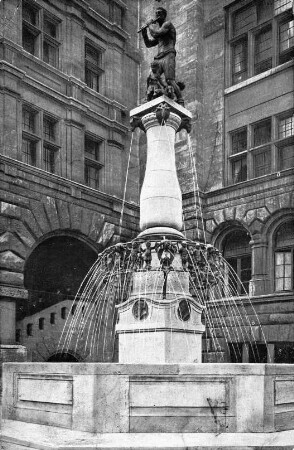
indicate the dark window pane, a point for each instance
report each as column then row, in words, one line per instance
column 92, row 176
column 286, row 157
column 285, row 235
column 50, row 53
column 92, row 149
column 284, row 353
column 262, row 133
column 29, row 151
column 92, row 79
column 28, row 40
column 239, row 61
column 29, row 14
column 239, row 141
column 49, row 159
column 29, row 329
column 28, row 120
column 52, row 318
column 41, row 323
column 93, row 56
column 235, row 349
column 49, row 128
column 245, row 273
column 244, row 20
column 239, row 170
column 257, row 353
column 263, row 51
column 262, row 163
column 50, row 27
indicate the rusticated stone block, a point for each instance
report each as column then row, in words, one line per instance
column 40, row 215
column 11, row 278
column 11, row 261
column 75, row 216
column 52, row 214
column 87, row 216
column 25, row 236
column 96, row 225
column 219, row 216
column 9, row 241
column 31, row 222
column 63, row 214
column 9, row 209
column 106, row 233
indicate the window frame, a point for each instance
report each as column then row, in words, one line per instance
column 41, row 36
column 249, row 35
column 273, row 146
column 286, row 248
column 95, row 163
column 94, row 70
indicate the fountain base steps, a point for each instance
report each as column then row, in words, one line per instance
column 21, row 435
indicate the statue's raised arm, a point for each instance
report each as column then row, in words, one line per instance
column 163, row 34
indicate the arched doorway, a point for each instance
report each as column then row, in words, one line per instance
column 62, row 357
column 54, row 272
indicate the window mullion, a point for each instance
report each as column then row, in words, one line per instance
column 250, row 54
column 275, row 38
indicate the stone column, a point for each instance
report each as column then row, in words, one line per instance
column 259, row 280
column 152, row 327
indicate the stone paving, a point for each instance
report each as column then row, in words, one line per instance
column 20, row 435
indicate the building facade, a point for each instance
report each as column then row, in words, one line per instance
column 68, row 79
column 70, row 73
column 236, row 58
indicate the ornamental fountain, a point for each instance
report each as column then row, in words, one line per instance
column 153, row 290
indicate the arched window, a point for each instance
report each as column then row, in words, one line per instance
column 237, row 252
column 284, row 251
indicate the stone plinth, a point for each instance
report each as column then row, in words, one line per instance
column 165, row 398
column 160, row 334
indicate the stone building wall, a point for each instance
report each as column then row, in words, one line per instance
column 38, row 206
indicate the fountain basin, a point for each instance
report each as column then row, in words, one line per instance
column 150, row 398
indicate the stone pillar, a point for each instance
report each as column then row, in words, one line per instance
column 152, row 326
column 259, row 280
column 7, row 321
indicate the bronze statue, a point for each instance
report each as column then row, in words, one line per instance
column 164, row 35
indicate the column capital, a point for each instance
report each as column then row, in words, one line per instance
column 138, row 115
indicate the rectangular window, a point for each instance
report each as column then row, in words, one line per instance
column 286, row 157
column 283, row 271
column 263, row 51
column 92, row 149
column 29, row 153
column 244, row 20
column 29, row 14
column 92, row 175
column 28, row 120
column 40, row 33
column 286, row 41
column 50, row 53
column 239, row 169
column 239, row 61
column 262, row 163
column 49, row 125
column 49, row 159
column 262, row 132
column 29, row 40
column 93, row 69
column 239, row 141
column 286, row 127
column 282, row 5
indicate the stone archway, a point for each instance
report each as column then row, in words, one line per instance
column 55, row 270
